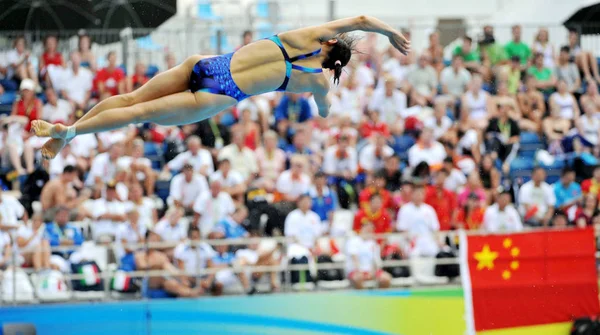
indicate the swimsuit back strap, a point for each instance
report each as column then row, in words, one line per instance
column 280, row 45
column 306, row 69
column 310, row 54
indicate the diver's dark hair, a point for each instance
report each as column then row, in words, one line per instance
column 339, row 55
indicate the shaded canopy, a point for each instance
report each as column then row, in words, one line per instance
column 586, row 20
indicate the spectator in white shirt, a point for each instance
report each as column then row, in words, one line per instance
column 104, row 166
column 76, row 84
column 421, row 222
column 537, row 199
column 439, row 122
column 232, row 181
column 304, row 226
column 456, row 178
column 455, row 78
column 5, row 250
column 390, row 102
column 34, row 249
column 243, row 160
column 144, row 206
column 185, row 188
column 200, row 158
column 212, row 207
column 140, row 167
column 426, row 150
column 372, row 156
column 20, row 61
column 363, row 260
column 62, row 160
column 84, row 147
column 170, row 228
column 56, row 110
column 423, row 81
column 129, row 234
column 294, row 182
column 108, row 213
column 11, row 211
column 341, row 163
column 502, row 217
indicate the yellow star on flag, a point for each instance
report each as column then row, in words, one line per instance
column 485, row 258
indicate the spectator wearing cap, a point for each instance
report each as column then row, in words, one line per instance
column 502, row 216
column 476, row 106
column 104, row 166
column 28, row 105
column 373, row 212
column 427, row 150
column 545, row 78
column 363, row 259
column 243, row 160
column 232, row 181
column 108, row 212
column 470, row 215
column 139, row 167
column 455, row 78
column 517, row 48
column 111, row 79
column 200, row 158
column 304, row 225
column 389, row 102
column 567, row 190
column 324, row 200
column 537, row 199
column 568, row 71
column 420, row 221
column 60, row 232
column 186, row 187
column 341, row 165
column 232, row 226
column 423, row 82
column 443, row 201
column 372, row 156
column 293, row 182
column 56, row 110
column 60, row 192
column 271, row 159
column 211, row 207
column 502, row 137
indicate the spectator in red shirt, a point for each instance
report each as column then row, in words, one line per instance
column 28, row 106
column 138, row 78
column 592, row 185
column 444, row 202
column 50, row 56
column 376, row 186
column 587, row 211
column 374, row 213
column 111, row 79
column 470, row 216
column 373, row 125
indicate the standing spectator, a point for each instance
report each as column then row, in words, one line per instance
column 537, row 199
column 293, row 183
column 532, row 106
column 232, row 226
column 243, row 160
column 51, row 56
column 420, row 221
column 232, row 181
column 470, row 216
column 84, row 49
column 170, row 228
column 545, row 79
column 76, row 84
column 304, row 225
column 323, row 198
column 32, row 245
column 373, row 212
column 20, row 65
column 104, row 166
column 199, row 157
column 28, row 106
column 340, row 163
column 423, row 81
column 568, row 71
column 56, row 110
column 565, row 101
column 60, row 232
column 389, row 102
column 440, row 123
column 455, row 79
column 502, row 137
column 138, row 166
column 138, row 78
column 60, row 193
column 585, row 60
column 592, row 185
column 292, row 110
column 516, row 47
column 363, row 259
column 469, row 54
column 567, row 190
column 372, row 157
column 443, row 201
column 111, row 79
column 502, row 216
column 186, row 187
column 211, row 207
column 271, row 159
column 108, row 213
column 476, row 105
column 542, row 46
column 426, row 150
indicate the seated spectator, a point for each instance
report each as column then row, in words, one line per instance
column 145, row 207
column 60, row 232
column 423, row 81
column 186, row 187
column 568, row 71
column 393, row 175
column 138, row 78
column 545, row 78
column 363, row 260
column 473, row 186
column 211, row 207
column 108, row 213
column 584, row 59
column 542, row 46
column 502, row 137
column 84, row 148
column 426, row 150
column 476, row 106
column 349, row 99
column 567, row 191
column 232, row 226
column 111, row 79
column 374, row 212
column 300, row 143
column 199, row 157
column 226, row 260
column 170, row 61
column 271, row 159
column 294, row 182
column 243, row 160
column 439, row 122
column 455, row 79
column 51, row 56
column 502, row 216
column 375, row 184
column 537, row 199
column 456, row 178
column 372, row 125
column 586, row 211
column 324, row 200
column 341, row 165
column 531, row 105
column 592, row 185
column 76, row 84
column 32, row 244
column 64, row 158
column 591, row 95
column 493, row 53
column 517, row 48
column 395, row 64
column 443, row 201
column 84, row 48
column 16, row 149
column 490, row 176
column 293, row 109
column 588, row 131
column 503, row 96
column 60, row 193
column 29, row 105
column 565, row 102
column 56, row 110
column 372, row 156
column 420, row 221
column 304, row 226
column 19, row 62
column 130, row 235
column 556, row 129
column 170, row 228
column 470, row 215
column 232, row 181
column 513, row 75
column 436, row 51
column 213, row 133
column 469, row 54
column 104, row 166
column 5, row 250
column 250, row 128
column 389, row 102
column 138, row 166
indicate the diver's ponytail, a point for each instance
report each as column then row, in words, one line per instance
column 337, row 72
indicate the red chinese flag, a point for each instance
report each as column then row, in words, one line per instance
column 525, row 279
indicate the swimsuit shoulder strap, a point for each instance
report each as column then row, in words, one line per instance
column 288, row 62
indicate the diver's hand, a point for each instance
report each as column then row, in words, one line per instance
column 400, row 42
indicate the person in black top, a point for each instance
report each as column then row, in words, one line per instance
column 502, row 137
column 214, row 135
column 392, row 172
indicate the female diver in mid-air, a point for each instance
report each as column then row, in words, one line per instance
column 218, row 82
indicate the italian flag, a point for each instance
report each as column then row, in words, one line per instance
column 53, row 282
column 120, row 281
column 90, row 273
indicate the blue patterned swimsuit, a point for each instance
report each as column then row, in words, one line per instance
column 213, row 74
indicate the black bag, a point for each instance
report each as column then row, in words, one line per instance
column 396, row 271
column 91, row 272
column 446, row 270
column 300, row 276
column 328, row 274
column 585, row 326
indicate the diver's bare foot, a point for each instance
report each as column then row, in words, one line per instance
column 52, row 147
column 42, row 128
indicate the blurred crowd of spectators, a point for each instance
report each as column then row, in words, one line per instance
column 415, row 143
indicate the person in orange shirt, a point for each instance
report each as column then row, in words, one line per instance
column 376, row 184
column 470, row 217
column 444, row 202
column 373, row 213
column 592, row 185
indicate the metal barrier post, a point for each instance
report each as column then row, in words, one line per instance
column 331, row 10
column 14, row 266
